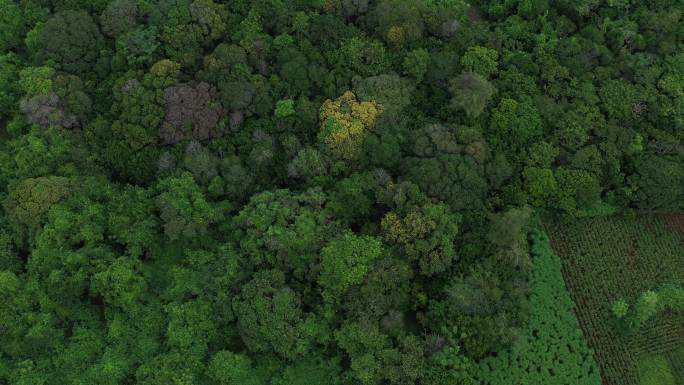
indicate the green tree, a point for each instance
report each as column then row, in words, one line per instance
column 307, row 372
column 36, row 80
column 442, row 168
column 344, row 263
column 425, row 235
column 284, row 230
column 138, row 46
column 270, row 316
column 541, row 186
column 13, row 25
column 72, row 40
column 119, row 17
column 508, row 232
column 228, row 368
column 9, row 89
column 183, row 208
column 416, row 63
column 29, row 202
column 390, row 91
column 399, row 22
column 471, row 92
column 284, row 108
column 186, row 27
column 481, row 60
column 619, row 98
column 362, row 56
column 661, row 183
column 515, row 124
column 578, row 189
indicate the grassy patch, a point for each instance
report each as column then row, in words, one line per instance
column 655, row 370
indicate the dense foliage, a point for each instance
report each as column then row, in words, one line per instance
column 552, row 350
column 316, row 191
column 655, row 370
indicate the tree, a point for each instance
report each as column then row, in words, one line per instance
column 47, row 110
column 344, row 263
column 508, row 232
column 352, row 199
column 344, row 124
column 191, row 327
column 618, row 99
column 183, row 208
column 308, row 372
column 442, row 169
column 226, row 62
column 42, row 152
column 36, row 80
column 515, row 124
column 296, row 70
column 425, row 235
column 645, row 307
column 284, row 230
column 132, row 221
column 661, row 183
column 270, row 316
column 139, row 46
column 578, row 189
column 284, row 108
column 71, row 39
column 238, row 181
column 385, row 294
column 29, row 202
column 53, row 99
column 126, row 145
column 13, row 25
column 348, row 8
column 416, row 63
column 399, row 22
column 201, row 162
column 70, row 248
column 9, row 89
column 187, row 26
column 169, row 367
column 376, row 359
column 541, row 154
column 119, row 17
column 390, row 91
column 228, row 368
column 620, row 308
column 121, row 284
column 480, row 60
column 362, row 56
column 192, row 111
column 471, row 92
column 365, row 345
column 541, row 185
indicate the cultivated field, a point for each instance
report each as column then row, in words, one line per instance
column 604, row 259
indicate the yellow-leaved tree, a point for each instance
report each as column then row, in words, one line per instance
column 345, row 123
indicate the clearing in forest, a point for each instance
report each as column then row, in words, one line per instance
column 608, row 258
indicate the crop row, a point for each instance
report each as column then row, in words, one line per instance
column 607, row 258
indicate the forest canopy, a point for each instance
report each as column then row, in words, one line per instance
column 271, row 192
